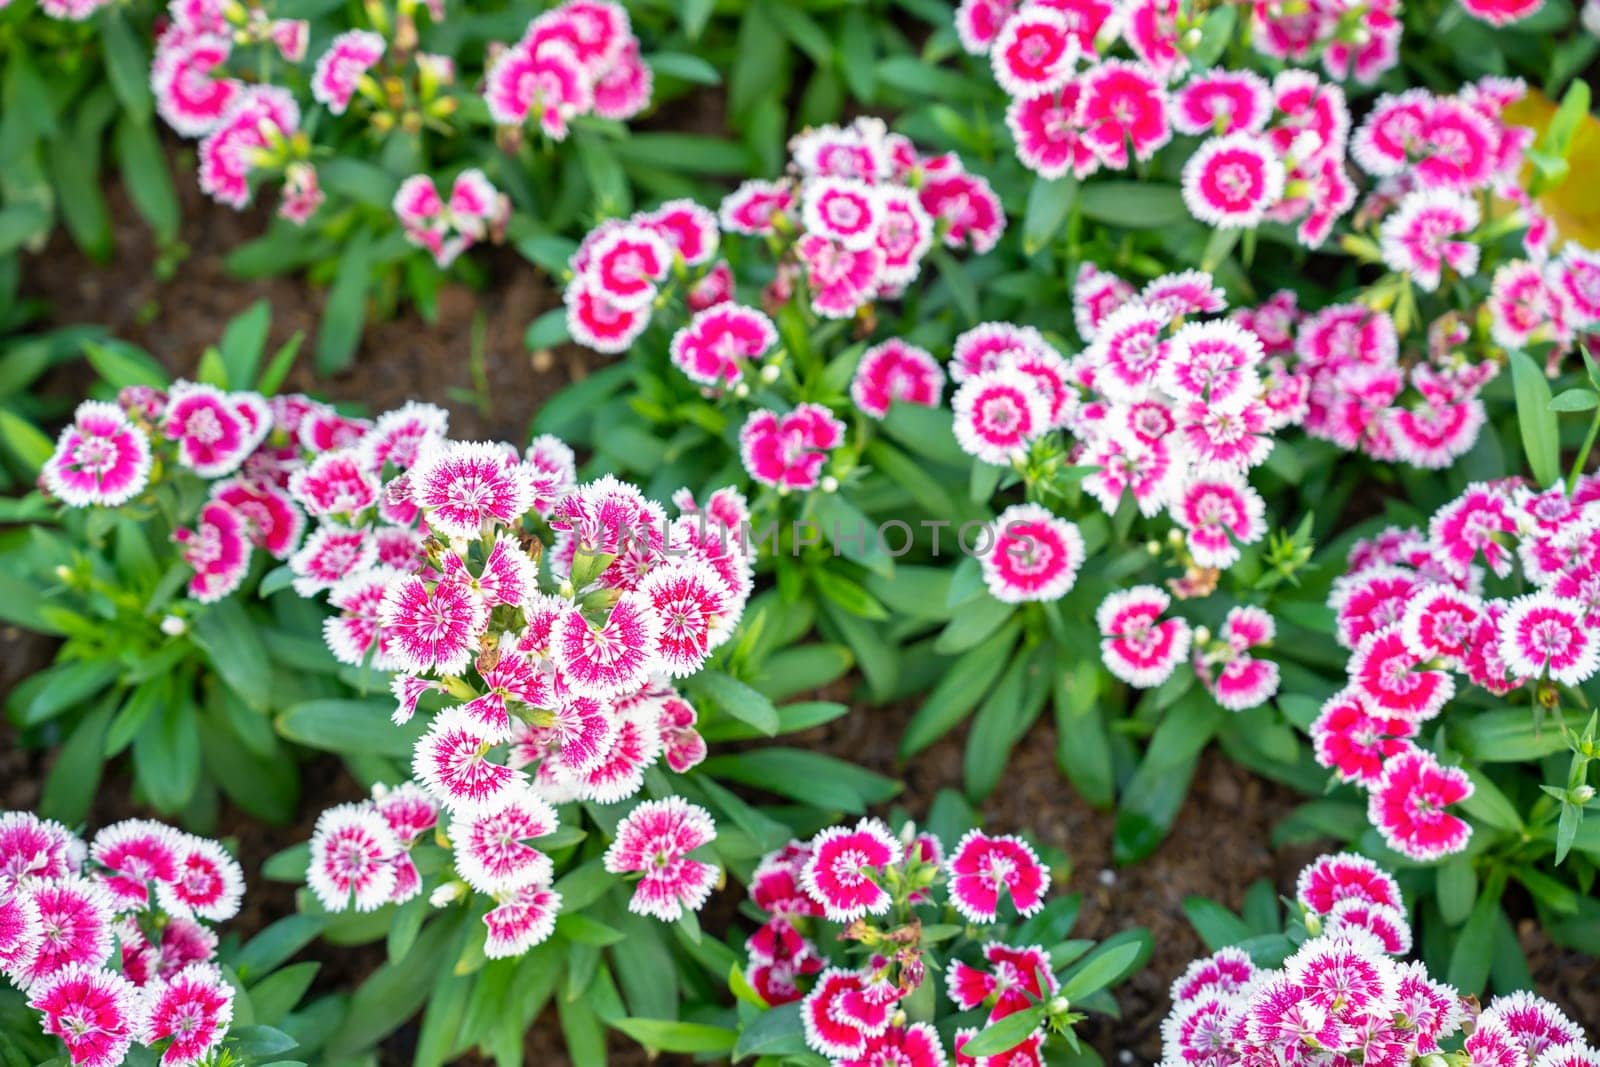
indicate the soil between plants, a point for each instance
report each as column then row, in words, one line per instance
column 1218, row 848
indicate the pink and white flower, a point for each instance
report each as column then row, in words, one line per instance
column 1332, row 879
column 1137, row 645
column 788, row 451
column 844, row 869
column 1049, row 140
column 720, row 342
column 432, row 627
column 75, row 917
column 335, row 484
column 493, row 846
column 847, row 211
column 256, row 117
column 340, row 69
column 1219, row 514
column 1395, row 681
column 1423, row 235
column 997, row 413
column 521, row 922
column 1033, row 556
column 1546, row 636
column 209, row 882
column 595, row 322
column 452, row 762
column 655, row 840
column 894, row 371
column 1232, row 181
column 191, row 1011
column 329, row 554
column 1124, row 106
column 1220, row 102
column 1035, row 51
column 1354, row 742
column 751, row 208
column 102, row 459
column 1407, row 806
column 982, row 868
column 1016, row 979
column 546, row 84
column 614, row 657
column 466, row 484
column 96, row 1013
column 189, row 95
column 214, row 431
column 217, row 549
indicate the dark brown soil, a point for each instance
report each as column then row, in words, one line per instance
column 400, row 359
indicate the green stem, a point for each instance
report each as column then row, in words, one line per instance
column 1583, row 453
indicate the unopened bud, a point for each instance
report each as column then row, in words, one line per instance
column 741, row 390
column 1202, row 634
column 446, row 894
column 1058, row 1006
column 770, row 372
column 1582, row 794
column 174, row 626
column 63, row 573
column 830, row 484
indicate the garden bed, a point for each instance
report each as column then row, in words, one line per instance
column 1218, row 848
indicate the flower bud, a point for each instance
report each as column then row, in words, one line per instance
column 174, row 626
column 830, row 484
column 1582, row 794
column 770, row 373
column 446, row 894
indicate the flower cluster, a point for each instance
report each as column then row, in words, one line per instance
column 882, row 887
column 243, row 126
column 1169, row 408
column 1345, row 995
column 431, row 551
column 1415, row 613
column 443, row 226
column 850, row 224
column 243, row 446
column 579, row 58
column 110, row 940
column 240, row 81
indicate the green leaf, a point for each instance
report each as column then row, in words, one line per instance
column 1456, row 888
column 1575, row 400
column 146, row 176
column 1006, row 1034
column 166, row 756
column 809, row 777
column 228, row 636
column 1488, row 804
column 127, row 63
column 684, row 67
column 122, row 364
column 776, row 1032
column 547, row 331
column 1049, row 202
column 75, row 776
column 346, row 311
column 1133, row 205
column 668, row 1035
column 244, row 342
column 395, row 991
column 1217, row 926
column 1105, row 966
column 738, row 700
column 347, row 726
column 959, row 690
column 25, row 441
column 1469, row 961
column 1535, row 419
